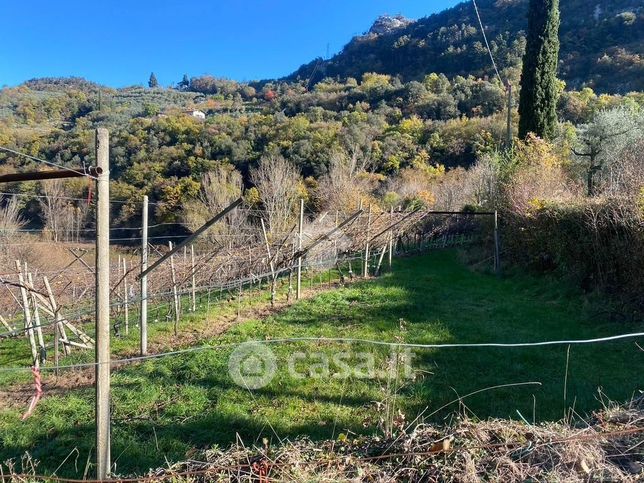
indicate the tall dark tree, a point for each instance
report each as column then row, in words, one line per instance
column 185, row 83
column 153, row 82
column 539, row 89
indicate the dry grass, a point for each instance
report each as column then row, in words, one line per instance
column 606, row 447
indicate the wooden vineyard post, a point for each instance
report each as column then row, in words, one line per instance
column 194, row 282
column 126, row 308
column 335, row 240
column 103, row 457
column 391, row 237
column 144, row 279
column 365, row 272
column 290, row 275
column 56, row 336
column 59, row 331
column 270, row 260
column 6, row 324
column 60, row 328
column 497, row 257
column 174, row 292
column 37, row 324
column 239, row 300
column 27, row 312
column 382, row 256
column 298, row 290
column 509, row 117
column 119, row 307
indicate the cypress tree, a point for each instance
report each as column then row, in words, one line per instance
column 539, row 90
column 185, row 82
column 153, row 82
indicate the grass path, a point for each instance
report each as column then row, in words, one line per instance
column 164, row 408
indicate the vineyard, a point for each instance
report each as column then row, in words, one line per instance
column 53, row 309
column 260, row 326
column 169, row 404
column 181, row 396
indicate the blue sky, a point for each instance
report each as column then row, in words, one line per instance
column 118, row 42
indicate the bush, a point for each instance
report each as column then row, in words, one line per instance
column 599, row 245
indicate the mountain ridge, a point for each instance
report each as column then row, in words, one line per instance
column 602, row 45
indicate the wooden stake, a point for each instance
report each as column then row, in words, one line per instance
column 239, row 297
column 119, row 307
column 365, row 272
column 27, row 312
column 56, row 336
column 290, row 275
column 126, row 308
column 335, row 240
column 382, row 256
column 391, row 237
column 60, row 328
column 37, row 324
column 509, row 118
column 194, row 280
column 298, row 289
column 103, row 458
column 270, row 260
column 6, row 325
column 174, row 292
column 144, row 280
column 497, row 257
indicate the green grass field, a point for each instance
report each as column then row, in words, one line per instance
column 164, row 408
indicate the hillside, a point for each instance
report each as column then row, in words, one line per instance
column 602, row 45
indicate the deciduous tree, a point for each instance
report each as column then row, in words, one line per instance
column 278, row 182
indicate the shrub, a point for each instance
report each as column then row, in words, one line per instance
column 598, row 245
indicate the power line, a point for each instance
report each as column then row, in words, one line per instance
column 478, row 15
column 91, row 230
column 44, row 161
column 67, row 198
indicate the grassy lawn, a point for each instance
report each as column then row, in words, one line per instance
column 165, row 407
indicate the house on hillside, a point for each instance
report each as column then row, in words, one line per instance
column 196, row 113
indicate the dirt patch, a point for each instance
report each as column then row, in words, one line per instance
column 19, row 395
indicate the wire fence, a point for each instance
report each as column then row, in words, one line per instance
column 225, row 262
column 225, row 265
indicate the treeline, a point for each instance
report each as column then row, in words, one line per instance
column 601, row 45
column 385, row 127
column 439, row 143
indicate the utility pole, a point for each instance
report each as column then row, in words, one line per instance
column 144, row 279
column 103, row 306
column 299, row 249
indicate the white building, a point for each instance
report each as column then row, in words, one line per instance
column 197, row 114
